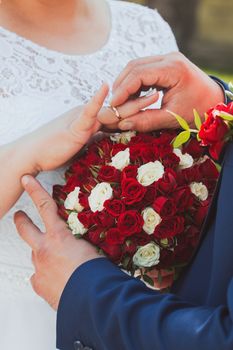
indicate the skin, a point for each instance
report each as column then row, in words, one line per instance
column 59, row 25
column 185, row 87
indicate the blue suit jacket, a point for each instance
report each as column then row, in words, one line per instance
column 105, row 309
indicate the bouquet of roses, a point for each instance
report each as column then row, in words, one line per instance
column 140, row 198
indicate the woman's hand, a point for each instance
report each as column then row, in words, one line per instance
column 58, row 141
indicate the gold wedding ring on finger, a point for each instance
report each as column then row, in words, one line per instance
column 116, row 112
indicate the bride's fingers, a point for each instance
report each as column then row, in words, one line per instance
column 29, row 232
column 107, row 116
column 88, row 115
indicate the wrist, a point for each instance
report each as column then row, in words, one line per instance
column 23, row 154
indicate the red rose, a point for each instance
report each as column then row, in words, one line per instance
column 103, row 219
column 208, row 169
column 170, row 160
column 164, row 150
column 118, row 147
column 188, row 175
column 113, row 236
column 148, row 154
column 129, row 171
column 117, row 192
column 216, row 149
column 193, row 148
column 168, row 181
column 83, row 200
column 151, row 193
column 183, row 197
column 169, row 227
column 81, row 171
column 135, row 152
column 114, row 207
column 130, row 223
column 132, row 191
column 109, row 174
column 114, row 252
column 164, row 206
column 95, row 235
column 230, row 108
column 201, row 214
column 86, row 218
column 93, row 157
column 213, row 130
column 72, row 182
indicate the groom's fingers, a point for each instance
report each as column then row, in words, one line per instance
column 144, row 75
column 149, row 120
column 28, row 230
column 44, row 203
column 134, row 64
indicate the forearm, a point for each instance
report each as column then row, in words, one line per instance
column 16, row 160
column 106, row 309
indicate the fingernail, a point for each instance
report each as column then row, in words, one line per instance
column 25, row 180
column 126, row 125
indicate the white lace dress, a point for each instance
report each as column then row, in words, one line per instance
column 36, row 86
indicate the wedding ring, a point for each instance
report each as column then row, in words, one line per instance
column 116, row 112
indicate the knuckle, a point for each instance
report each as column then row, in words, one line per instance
column 45, row 204
column 35, row 283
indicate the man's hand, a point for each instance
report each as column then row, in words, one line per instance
column 56, row 253
column 184, row 85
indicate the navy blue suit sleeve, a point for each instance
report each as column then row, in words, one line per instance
column 108, row 310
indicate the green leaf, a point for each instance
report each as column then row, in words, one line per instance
column 226, row 116
column 197, row 119
column 182, row 138
column 148, row 280
column 184, row 125
column 218, row 167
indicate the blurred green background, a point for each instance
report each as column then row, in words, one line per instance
column 203, row 29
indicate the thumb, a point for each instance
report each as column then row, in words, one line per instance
column 149, row 120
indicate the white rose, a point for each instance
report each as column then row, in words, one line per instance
column 147, row 255
column 99, row 194
column 72, row 201
column 150, row 172
column 199, row 190
column 123, row 137
column 186, row 160
column 75, row 225
column 121, row 159
column 151, row 220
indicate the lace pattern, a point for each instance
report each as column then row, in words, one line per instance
column 38, row 84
